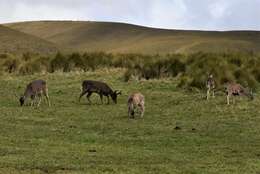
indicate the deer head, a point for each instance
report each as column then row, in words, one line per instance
column 114, row 95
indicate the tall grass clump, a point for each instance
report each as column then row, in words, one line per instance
column 190, row 71
column 37, row 65
column 156, row 67
column 224, row 67
column 58, row 63
column 93, row 61
column 11, row 64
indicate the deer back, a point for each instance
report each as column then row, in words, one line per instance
column 96, row 86
column 36, row 87
column 210, row 83
column 136, row 98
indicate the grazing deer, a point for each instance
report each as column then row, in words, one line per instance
column 135, row 100
column 101, row 88
column 210, row 85
column 235, row 89
column 35, row 89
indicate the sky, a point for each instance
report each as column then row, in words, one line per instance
column 170, row 14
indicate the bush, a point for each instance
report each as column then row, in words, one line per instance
column 224, row 67
column 73, row 62
column 34, row 66
column 58, row 63
column 191, row 71
column 11, row 65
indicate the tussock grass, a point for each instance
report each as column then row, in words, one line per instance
column 190, row 70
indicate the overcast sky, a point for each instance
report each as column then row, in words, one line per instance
column 175, row 14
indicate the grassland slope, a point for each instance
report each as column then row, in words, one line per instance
column 127, row 38
column 15, row 42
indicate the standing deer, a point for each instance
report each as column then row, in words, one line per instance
column 135, row 100
column 235, row 89
column 101, row 88
column 35, row 89
column 210, row 85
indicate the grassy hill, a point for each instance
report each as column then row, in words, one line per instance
column 125, row 38
column 15, row 42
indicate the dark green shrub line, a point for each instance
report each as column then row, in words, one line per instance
column 190, row 70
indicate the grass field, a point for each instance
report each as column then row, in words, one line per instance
column 72, row 137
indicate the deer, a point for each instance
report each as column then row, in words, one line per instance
column 235, row 89
column 101, row 88
column 34, row 89
column 135, row 100
column 210, row 85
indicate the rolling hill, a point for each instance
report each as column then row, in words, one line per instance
column 16, row 42
column 126, row 38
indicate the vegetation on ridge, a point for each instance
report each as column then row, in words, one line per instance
column 190, row 70
column 112, row 37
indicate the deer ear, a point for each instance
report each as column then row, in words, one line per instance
column 118, row 92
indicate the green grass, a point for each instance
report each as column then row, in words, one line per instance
column 214, row 137
column 126, row 38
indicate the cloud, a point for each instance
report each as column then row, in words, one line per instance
column 177, row 14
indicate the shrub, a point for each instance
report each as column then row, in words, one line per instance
column 131, row 74
column 72, row 62
column 27, row 56
column 11, row 65
column 4, row 56
column 256, row 73
column 34, row 66
column 191, row 71
column 58, row 63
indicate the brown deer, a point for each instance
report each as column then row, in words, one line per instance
column 36, row 88
column 135, row 100
column 235, row 89
column 210, row 85
column 101, row 88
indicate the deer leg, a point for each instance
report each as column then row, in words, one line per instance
column 208, row 94
column 32, row 103
column 48, row 99
column 142, row 110
column 83, row 93
column 88, row 96
column 131, row 112
column 45, row 93
column 101, row 98
column 32, row 100
column 228, row 99
column 108, row 100
column 39, row 98
column 213, row 93
column 39, row 101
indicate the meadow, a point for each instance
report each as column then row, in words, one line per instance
column 181, row 132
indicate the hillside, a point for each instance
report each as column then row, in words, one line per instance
column 124, row 38
column 16, row 42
